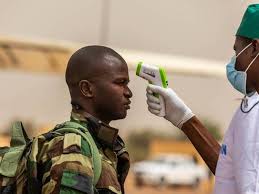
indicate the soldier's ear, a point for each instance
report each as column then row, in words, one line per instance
column 86, row 88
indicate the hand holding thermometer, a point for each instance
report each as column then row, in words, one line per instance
column 156, row 76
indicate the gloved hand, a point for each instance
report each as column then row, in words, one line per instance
column 175, row 110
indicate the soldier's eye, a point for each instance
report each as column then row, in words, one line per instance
column 121, row 81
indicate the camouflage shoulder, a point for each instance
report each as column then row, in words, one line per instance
column 65, row 161
column 54, row 144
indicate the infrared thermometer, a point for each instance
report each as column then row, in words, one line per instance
column 155, row 75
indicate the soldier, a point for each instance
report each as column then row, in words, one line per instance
column 97, row 78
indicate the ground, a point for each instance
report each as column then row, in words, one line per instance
column 130, row 188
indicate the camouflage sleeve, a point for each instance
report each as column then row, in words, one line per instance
column 66, row 166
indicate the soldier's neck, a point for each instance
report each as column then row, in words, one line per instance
column 87, row 113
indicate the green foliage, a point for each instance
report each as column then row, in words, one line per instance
column 138, row 141
column 213, row 128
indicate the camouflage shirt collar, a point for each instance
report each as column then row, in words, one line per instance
column 104, row 134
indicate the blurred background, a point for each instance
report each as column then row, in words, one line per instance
column 192, row 39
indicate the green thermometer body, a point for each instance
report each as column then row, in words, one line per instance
column 155, row 75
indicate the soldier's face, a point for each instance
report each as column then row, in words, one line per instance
column 111, row 93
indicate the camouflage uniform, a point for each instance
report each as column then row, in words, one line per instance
column 62, row 163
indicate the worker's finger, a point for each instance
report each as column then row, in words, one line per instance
column 153, row 111
column 154, row 106
column 149, row 91
column 157, row 89
column 152, row 98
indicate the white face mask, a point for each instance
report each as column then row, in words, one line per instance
column 238, row 79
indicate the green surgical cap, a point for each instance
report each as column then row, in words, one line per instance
column 249, row 26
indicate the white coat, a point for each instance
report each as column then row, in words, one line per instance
column 237, row 169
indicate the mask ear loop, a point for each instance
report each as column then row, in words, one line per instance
column 245, row 100
column 243, row 50
column 252, row 62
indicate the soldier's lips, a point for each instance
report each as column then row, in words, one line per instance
column 127, row 106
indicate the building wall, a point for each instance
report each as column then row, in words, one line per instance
column 203, row 28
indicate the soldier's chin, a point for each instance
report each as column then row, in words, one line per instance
column 121, row 115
